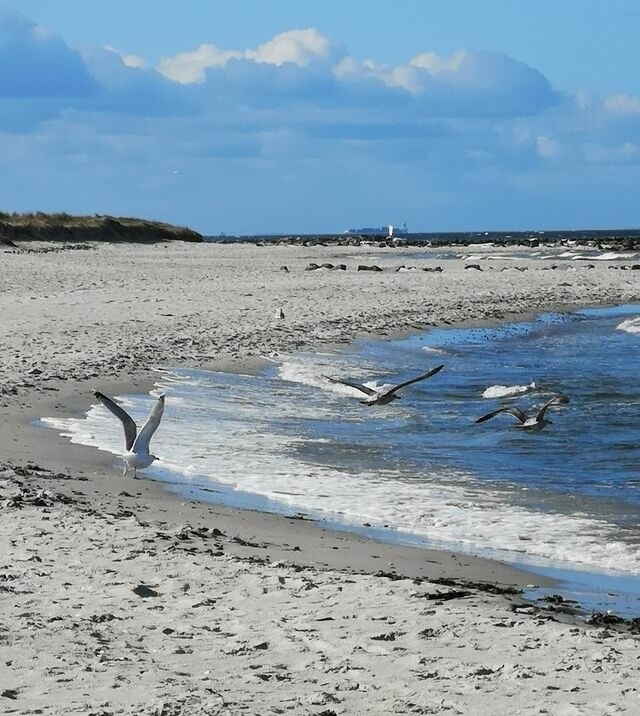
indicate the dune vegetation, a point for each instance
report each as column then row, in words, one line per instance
column 40, row 226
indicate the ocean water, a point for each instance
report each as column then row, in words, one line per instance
column 565, row 500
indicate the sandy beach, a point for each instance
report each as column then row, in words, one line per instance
column 121, row 598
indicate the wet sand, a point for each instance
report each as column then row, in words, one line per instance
column 120, row 597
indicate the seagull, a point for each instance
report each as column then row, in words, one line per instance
column 533, row 424
column 137, row 444
column 381, row 396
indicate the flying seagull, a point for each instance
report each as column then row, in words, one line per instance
column 535, row 423
column 382, row 396
column 137, row 444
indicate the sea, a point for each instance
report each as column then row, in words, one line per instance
column 563, row 502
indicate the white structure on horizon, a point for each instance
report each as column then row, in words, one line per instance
column 389, row 231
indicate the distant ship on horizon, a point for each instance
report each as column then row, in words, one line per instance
column 389, row 230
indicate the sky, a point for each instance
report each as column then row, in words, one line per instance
column 302, row 116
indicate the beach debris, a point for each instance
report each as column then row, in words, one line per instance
column 488, row 587
column 384, row 395
column 328, row 266
column 284, row 268
column 445, row 596
column 608, row 619
column 363, row 267
column 28, row 496
column 142, row 590
column 433, row 269
column 390, row 636
column 137, row 444
column 477, row 267
column 532, row 424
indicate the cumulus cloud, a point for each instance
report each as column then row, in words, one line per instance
column 189, row 67
column 298, row 47
column 302, row 65
column 129, row 59
column 133, row 89
column 301, row 47
column 36, row 64
column 465, row 84
column 435, row 64
column 297, row 116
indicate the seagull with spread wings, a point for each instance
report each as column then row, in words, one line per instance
column 382, row 396
column 533, row 423
column 137, row 444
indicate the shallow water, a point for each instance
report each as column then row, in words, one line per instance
column 420, row 469
column 488, row 252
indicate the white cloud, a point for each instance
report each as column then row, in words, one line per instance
column 189, row 67
column 298, row 105
column 623, row 104
column 434, row 64
column 469, row 83
column 299, row 47
column 403, row 77
column 129, row 60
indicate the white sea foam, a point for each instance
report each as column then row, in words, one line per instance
column 612, row 256
column 607, row 256
column 317, row 375
column 631, row 325
column 439, row 351
column 221, row 435
column 504, row 391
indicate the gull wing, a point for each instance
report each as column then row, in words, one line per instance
column 556, row 400
column 130, row 429
column 362, row 388
column 511, row 409
column 424, row 376
column 148, row 429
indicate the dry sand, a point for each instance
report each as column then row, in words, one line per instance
column 119, row 598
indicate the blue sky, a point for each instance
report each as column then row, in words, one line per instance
column 251, row 116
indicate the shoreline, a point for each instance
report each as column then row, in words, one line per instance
column 335, row 602
column 537, row 578
column 102, row 480
column 76, row 399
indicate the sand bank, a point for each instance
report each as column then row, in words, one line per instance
column 121, row 598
